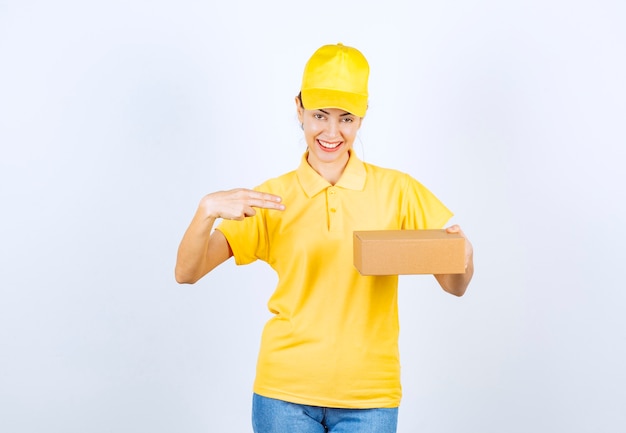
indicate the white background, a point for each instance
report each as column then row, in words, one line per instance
column 116, row 117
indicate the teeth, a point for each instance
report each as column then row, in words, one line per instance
column 328, row 145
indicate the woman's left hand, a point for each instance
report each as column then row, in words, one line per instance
column 469, row 249
column 456, row 284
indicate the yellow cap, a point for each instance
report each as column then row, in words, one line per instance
column 336, row 77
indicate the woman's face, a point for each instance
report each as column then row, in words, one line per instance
column 329, row 134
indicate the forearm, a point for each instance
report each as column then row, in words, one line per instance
column 192, row 259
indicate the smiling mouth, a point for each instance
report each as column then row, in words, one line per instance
column 328, row 145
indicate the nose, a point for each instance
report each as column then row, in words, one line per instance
column 333, row 128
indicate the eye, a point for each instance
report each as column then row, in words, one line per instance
column 318, row 116
column 347, row 119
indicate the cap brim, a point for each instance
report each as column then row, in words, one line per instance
column 315, row 99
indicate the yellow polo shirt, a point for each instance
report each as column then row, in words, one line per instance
column 333, row 339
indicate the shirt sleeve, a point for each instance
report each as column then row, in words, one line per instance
column 421, row 208
column 247, row 238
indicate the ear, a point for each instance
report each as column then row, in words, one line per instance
column 299, row 110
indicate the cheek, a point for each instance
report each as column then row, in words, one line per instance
column 309, row 135
column 350, row 132
column 311, row 129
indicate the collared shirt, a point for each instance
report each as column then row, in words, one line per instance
column 333, row 337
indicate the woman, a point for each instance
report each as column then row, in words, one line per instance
column 329, row 357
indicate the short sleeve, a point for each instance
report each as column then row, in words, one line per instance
column 421, row 209
column 247, row 238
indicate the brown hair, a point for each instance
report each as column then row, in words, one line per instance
column 300, row 99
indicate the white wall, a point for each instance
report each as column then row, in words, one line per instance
column 117, row 116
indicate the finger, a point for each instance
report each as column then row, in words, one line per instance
column 234, row 216
column 261, row 199
column 453, row 229
column 265, row 200
column 249, row 211
column 265, row 196
column 240, row 216
column 266, row 204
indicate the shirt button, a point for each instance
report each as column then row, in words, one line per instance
column 333, row 210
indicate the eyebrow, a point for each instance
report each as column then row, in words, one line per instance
column 341, row 115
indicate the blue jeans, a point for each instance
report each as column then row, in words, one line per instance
column 277, row 416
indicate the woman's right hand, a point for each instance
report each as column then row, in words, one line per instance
column 239, row 203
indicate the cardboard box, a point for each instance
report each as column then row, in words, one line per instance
column 402, row 252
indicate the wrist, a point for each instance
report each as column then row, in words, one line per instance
column 207, row 209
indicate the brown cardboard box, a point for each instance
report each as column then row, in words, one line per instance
column 397, row 252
